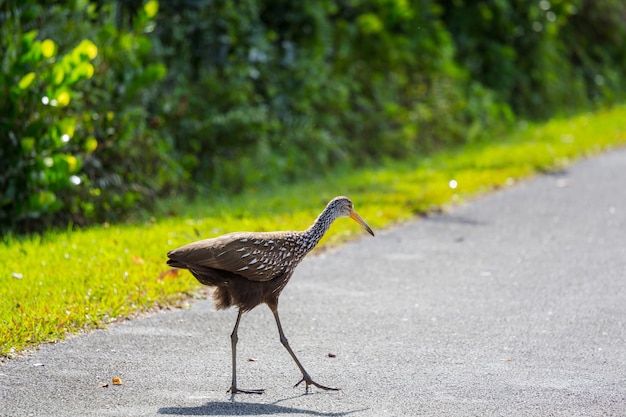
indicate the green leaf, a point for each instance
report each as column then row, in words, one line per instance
column 58, row 75
column 88, row 48
column 155, row 72
column 63, row 99
column 26, row 80
column 47, row 48
column 43, row 199
column 91, row 144
column 370, row 23
column 151, row 8
column 67, row 126
column 28, row 38
column 72, row 163
column 84, row 70
column 28, row 144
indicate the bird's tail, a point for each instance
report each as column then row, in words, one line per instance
column 211, row 277
column 204, row 274
column 177, row 264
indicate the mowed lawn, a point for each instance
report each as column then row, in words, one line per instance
column 65, row 282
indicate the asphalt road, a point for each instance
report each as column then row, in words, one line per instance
column 510, row 305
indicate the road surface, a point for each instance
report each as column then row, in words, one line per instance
column 510, row 305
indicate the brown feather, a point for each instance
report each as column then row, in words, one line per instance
column 255, row 256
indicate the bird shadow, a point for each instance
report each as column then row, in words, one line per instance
column 455, row 219
column 220, row 408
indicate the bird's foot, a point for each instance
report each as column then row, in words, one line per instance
column 235, row 390
column 308, row 381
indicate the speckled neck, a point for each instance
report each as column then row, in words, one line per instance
column 319, row 227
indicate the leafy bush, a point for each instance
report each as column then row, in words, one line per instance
column 272, row 91
column 78, row 147
column 542, row 57
column 245, row 92
column 594, row 41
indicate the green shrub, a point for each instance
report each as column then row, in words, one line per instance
column 594, row 41
column 542, row 57
column 76, row 142
column 272, row 91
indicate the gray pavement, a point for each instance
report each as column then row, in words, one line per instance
column 510, row 305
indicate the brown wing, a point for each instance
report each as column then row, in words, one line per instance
column 255, row 256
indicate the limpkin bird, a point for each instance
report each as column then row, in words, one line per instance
column 248, row 269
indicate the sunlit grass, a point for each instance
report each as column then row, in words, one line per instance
column 63, row 282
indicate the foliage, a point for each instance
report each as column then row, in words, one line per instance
column 542, row 57
column 291, row 88
column 39, row 163
column 593, row 40
column 73, row 117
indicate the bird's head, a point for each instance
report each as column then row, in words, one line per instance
column 343, row 207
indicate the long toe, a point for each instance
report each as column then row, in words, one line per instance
column 235, row 390
column 308, row 381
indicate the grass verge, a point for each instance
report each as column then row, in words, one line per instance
column 64, row 282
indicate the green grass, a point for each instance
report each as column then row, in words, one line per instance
column 64, row 282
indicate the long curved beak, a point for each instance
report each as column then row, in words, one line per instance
column 360, row 221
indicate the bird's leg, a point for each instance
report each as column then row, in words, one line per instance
column 306, row 378
column 233, row 341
